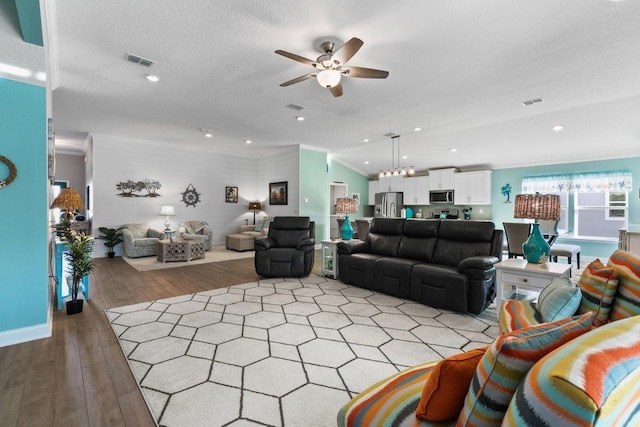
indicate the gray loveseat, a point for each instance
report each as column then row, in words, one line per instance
column 140, row 240
column 441, row 263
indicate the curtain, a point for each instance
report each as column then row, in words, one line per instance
column 583, row 182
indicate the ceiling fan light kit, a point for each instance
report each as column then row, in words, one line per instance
column 330, row 66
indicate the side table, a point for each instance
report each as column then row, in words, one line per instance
column 180, row 250
column 330, row 258
column 518, row 273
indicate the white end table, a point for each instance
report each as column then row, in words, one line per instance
column 330, row 258
column 518, row 273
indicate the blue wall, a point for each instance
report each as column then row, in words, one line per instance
column 24, row 228
column 503, row 212
column 357, row 183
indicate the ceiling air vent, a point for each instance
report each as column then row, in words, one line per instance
column 532, row 101
column 295, row 107
column 139, row 60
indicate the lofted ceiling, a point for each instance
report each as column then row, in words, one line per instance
column 459, row 69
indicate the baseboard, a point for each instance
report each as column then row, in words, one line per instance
column 31, row 333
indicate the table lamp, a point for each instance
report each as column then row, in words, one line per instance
column 68, row 200
column 168, row 211
column 537, row 206
column 255, row 206
column 346, row 206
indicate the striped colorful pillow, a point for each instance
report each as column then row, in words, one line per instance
column 598, row 285
column 390, row 402
column 627, row 300
column 517, row 314
column 508, row 360
column 592, row 380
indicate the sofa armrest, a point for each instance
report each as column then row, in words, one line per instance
column 306, row 245
column 155, row 233
column 353, row 247
column 264, row 244
column 480, row 262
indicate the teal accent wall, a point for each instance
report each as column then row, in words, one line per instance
column 314, row 188
column 503, row 212
column 30, row 21
column 24, row 230
column 357, row 183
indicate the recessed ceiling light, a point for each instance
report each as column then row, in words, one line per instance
column 152, row 77
column 248, row 141
column 42, row 76
column 417, row 129
column 366, row 162
column 365, row 140
column 404, row 157
column 300, row 118
column 453, row 150
column 208, row 134
column 557, row 128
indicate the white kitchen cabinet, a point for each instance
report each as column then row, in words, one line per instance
column 441, row 179
column 390, row 183
column 472, row 188
column 373, row 189
column 416, row 190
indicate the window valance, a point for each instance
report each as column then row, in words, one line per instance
column 583, row 182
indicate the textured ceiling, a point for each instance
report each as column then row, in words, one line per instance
column 458, row 69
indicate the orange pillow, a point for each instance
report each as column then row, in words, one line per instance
column 444, row 391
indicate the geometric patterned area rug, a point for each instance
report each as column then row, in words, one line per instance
column 280, row 352
column 215, row 254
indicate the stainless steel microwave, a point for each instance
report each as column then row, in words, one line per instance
column 441, row 196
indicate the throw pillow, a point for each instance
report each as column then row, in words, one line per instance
column 598, row 284
column 506, row 363
column 444, row 391
column 627, row 300
column 259, row 225
column 559, row 299
column 199, row 229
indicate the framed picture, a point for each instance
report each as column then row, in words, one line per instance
column 231, row 194
column 278, row 193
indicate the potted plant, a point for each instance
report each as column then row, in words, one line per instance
column 78, row 255
column 112, row 238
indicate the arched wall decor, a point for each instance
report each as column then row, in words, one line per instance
column 13, row 172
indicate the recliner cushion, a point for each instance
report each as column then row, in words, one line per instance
column 419, row 240
column 458, row 240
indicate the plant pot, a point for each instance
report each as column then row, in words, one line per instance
column 75, row 307
column 111, row 254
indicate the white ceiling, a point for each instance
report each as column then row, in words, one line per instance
column 458, row 68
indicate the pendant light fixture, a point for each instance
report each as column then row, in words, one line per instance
column 395, row 169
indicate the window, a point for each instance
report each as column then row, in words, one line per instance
column 592, row 204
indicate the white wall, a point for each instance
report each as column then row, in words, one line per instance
column 118, row 159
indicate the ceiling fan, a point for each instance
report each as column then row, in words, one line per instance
column 330, row 66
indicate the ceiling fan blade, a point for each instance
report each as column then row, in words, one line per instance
column 296, row 57
column 367, row 73
column 298, row 79
column 336, row 90
column 347, row 50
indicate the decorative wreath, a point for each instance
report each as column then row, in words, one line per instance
column 13, row 172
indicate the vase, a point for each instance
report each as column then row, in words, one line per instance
column 346, row 231
column 536, row 247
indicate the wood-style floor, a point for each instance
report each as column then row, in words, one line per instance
column 79, row 376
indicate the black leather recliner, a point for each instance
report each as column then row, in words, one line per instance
column 288, row 250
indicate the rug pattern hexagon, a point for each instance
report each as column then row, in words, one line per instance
column 280, row 351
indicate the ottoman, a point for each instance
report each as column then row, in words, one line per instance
column 239, row 242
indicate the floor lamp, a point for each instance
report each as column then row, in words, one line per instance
column 537, row 206
column 255, row 207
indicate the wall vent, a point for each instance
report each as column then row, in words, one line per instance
column 532, row 101
column 139, row 60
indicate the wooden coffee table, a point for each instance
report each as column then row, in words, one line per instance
column 180, row 250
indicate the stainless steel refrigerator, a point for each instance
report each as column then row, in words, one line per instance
column 388, row 205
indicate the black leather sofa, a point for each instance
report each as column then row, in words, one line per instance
column 441, row 263
column 288, row 250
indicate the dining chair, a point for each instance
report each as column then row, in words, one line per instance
column 517, row 233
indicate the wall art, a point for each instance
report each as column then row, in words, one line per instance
column 13, row 172
column 190, row 196
column 231, row 194
column 278, row 193
column 506, row 192
column 147, row 188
